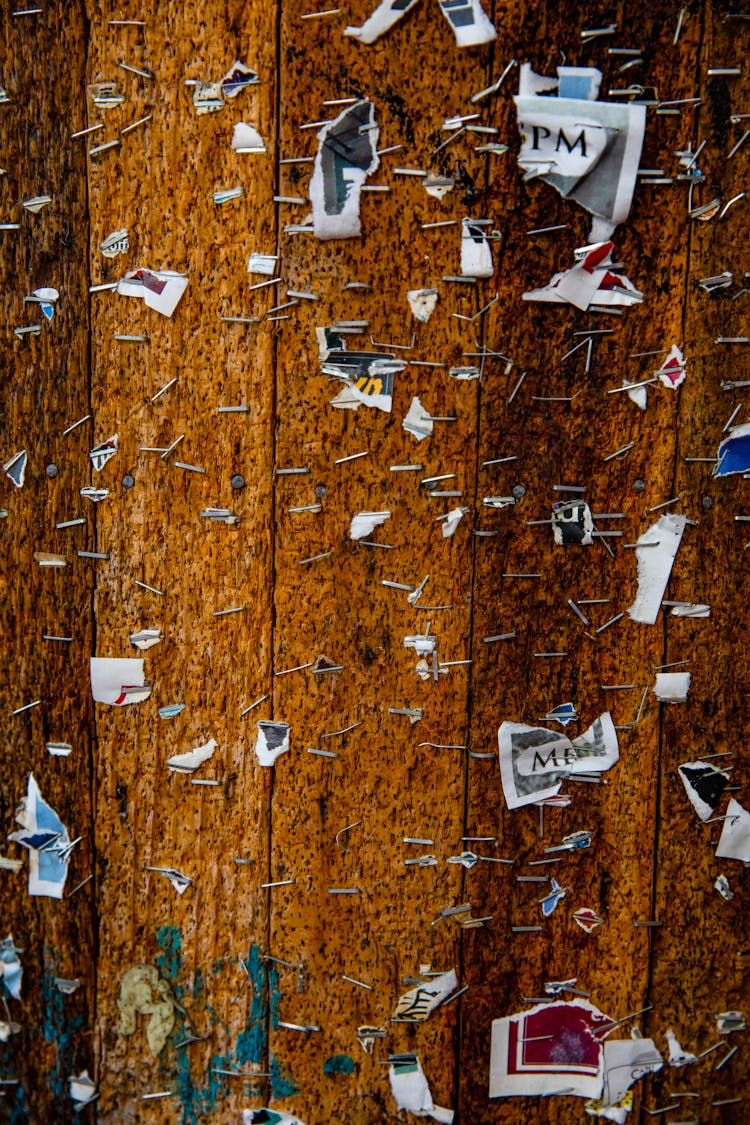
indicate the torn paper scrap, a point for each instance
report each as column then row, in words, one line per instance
column 146, row 638
column 382, row 19
column 422, row 643
column 272, row 740
column 655, row 552
column 672, row 687
column 208, row 97
column 118, row 242
column 625, row 1062
column 563, row 714
column 411, row 1091
column 58, row 749
column 587, row 150
column 587, row 919
column 422, row 303
column 734, row 842
column 721, row 884
column 95, row 495
column 591, row 281
column 46, row 838
column 46, row 298
column 438, row 186
column 179, row 881
column 417, row 421
column 636, row 394
column 346, row 157
column 469, row 22
column 264, row 264
column 734, row 452
column 466, row 860
column 118, row 681
column 476, row 253
column 572, row 523
column 418, row 1002
column 550, row 1049
column 727, row 1022
column 188, row 762
column 246, row 138
column 368, row 375
column 364, row 523
column 82, row 1089
column 10, row 967
column 143, row 991
column 672, row 371
column 678, row 1057
column 268, row 1117
column 159, row 289
column 704, row 785
column 100, row 454
column 451, row 521
column 105, row 95
column 534, row 761
column 550, row 901
column 691, row 609
column 15, row 468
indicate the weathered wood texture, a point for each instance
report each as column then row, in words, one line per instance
column 435, row 778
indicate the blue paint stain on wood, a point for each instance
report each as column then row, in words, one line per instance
column 57, row 1028
column 282, row 1083
column 339, row 1064
column 169, row 961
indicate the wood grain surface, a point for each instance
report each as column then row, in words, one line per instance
column 242, row 958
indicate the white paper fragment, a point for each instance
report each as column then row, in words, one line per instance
column 655, row 551
column 10, row 967
column 625, row 1062
column 272, row 740
column 587, row 150
column 677, row 1057
column 417, row 421
column 727, row 1022
column 346, row 156
column 672, row 371
column 161, row 290
column 188, row 762
column 118, row 681
column 268, row 1117
column 476, row 254
column 146, row 638
column 46, row 297
column 36, row 204
column 734, row 842
column 469, row 22
column 246, row 138
column 100, row 454
column 572, row 523
column 548, row 1049
column 105, row 95
column 95, row 495
column 422, row 303
column 438, row 186
column 118, row 242
column 411, row 1091
column 637, row 395
column 422, row 643
column 15, row 468
column 82, row 1089
column 424, row 998
column 59, row 749
column 535, row 761
column 382, row 19
column 368, row 375
column 704, row 785
column 264, row 264
column 672, row 687
column 451, row 522
column 364, row 523
column 46, row 838
column 589, row 281
column 691, row 609
column 721, row 884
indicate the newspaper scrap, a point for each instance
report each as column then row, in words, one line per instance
column 118, row 242
column 467, row 18
column 102, row 453
column 704, row 785
column 364, row 523
column 46, row 838
column 734, row 452
column 655, row 552
column 587, row 150
column 208, row 97
column 626, row 1061
column 118, row 680
column 411, row 1091
column 417, row 421
column 534, row 761
column 247, row 139
column 424, row 998
column 734, row 842
column 10, row 967
column 347, row 155
column 159, row 289
column 672, row 371
column 188, row 762
column 368, row 375
column 590, row 283
column 476, row 252
column 271, row 742
column 15, row 468
column 551, row 1048
column 677, row 1057
column 572, row 523
column 672, row 687
column 422, row 303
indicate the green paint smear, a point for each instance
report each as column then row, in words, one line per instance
column 252, row 1043
column 282, row 1083
column 169, row 961
column 58, row 1029
column 339, row 1064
